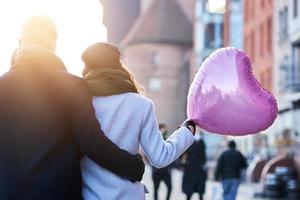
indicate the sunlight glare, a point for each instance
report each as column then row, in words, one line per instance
column 216, row 6
column 79, row 24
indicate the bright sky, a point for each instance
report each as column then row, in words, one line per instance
column 216, row 6
column 79, row 24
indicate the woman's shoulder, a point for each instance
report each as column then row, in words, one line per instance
column 134, row 100
column 138, row 98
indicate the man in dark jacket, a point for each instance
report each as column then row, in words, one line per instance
column 47, row 122
column 228, row 170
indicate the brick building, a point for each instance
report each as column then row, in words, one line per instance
column 188, row 6
column 158, row 51
column 258, row 38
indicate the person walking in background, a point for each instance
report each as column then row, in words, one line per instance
column 47, row 121
column 129, row 120
column 195, row 175
column 228, row 170
column 163, row 174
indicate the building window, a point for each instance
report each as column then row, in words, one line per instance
column 296, row 67
column 155, row 84
column 246, row 49
column 209, row 37
column 252, row 48
column 155, row 57
column 252, row 8
column 269, row 79
column 262, row 40
column 246, row 8
column 262, row 3
column 283, row 24
column 269, row 35
column 295, row 6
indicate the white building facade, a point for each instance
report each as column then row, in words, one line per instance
column 287, row 65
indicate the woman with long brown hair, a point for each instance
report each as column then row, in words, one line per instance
column 128, row 119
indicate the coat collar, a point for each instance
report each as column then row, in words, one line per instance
column 36, row 57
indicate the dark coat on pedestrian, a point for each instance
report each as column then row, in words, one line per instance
column 46, row 122
column 230, row 164
column 195, row 175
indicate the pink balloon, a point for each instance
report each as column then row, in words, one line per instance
column 225, row 97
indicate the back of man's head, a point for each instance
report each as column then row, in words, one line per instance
column 231, row 144
column 39, row 30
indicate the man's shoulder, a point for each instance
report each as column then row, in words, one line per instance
column 73, row 81
column 230, row 152
column 71, row 76
column 4, row 77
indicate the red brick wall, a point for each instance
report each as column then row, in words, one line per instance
column 173, row 72
column 258, row 38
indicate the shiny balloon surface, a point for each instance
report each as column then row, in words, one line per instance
column 226, row 98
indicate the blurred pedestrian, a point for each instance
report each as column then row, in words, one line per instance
column 163, row 174
column 194, row 176
column 229, row 167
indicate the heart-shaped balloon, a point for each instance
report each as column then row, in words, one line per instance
column 225, row 97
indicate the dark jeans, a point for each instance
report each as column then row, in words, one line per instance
column 230, row 188
column 166, row 178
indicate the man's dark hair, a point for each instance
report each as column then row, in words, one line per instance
column 231, row 144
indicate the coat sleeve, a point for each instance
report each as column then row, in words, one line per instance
column 203, row 151
column 160, row 152
column 97, row 146
column 243, row 161
column 219, row 167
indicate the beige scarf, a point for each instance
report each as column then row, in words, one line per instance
column 109, row 81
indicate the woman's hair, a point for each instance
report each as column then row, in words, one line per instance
column 139, row 88
column 103, row 69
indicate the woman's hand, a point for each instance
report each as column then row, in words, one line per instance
column 190, row 125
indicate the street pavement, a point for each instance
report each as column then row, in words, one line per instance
column 246, row 191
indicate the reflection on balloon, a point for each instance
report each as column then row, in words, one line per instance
column 225, row 97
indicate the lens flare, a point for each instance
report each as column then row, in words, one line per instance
column 79, row 23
